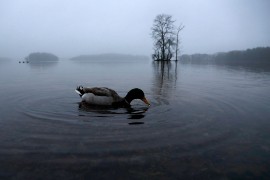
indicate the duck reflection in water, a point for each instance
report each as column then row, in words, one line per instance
column 134, row 113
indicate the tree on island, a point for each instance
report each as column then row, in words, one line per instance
column 166, row 37
column 41, row 57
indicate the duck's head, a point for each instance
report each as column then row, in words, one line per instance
column 136, row 93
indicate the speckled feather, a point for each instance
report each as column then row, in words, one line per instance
column 108, row 97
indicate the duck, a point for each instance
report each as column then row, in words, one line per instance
column 103, row 96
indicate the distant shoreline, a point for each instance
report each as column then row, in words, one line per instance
column 259, row 55
column 109, row 56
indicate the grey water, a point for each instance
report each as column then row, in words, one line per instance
column 204, row 122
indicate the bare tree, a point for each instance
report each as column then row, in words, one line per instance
column 162, row 33
column 166, row 37
column 180, row 27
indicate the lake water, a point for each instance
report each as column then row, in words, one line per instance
column 205, row 122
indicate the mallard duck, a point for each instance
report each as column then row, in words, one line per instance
column 107, row 97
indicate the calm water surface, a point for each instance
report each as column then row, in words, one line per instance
column 205, row 122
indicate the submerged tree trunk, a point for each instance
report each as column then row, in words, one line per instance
column 177, row 41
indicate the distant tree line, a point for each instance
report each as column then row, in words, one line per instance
column 111, row 57
column 259, row 55
column 38, row 56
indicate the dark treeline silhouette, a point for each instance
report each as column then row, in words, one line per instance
column 41, row 57
column 256, row 56
column 110, row 57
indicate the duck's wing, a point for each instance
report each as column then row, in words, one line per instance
column 103, row 91
column 97, row 91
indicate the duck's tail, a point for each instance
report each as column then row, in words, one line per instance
column 79, row 90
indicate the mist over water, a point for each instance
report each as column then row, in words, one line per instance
column 69, row 29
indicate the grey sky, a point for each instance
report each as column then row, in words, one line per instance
column 68, row 28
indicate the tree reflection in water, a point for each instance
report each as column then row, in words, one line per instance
column 164, row 80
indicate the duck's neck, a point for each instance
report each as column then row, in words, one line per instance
column 127, row 99
column 123, row 103
column 126, row 102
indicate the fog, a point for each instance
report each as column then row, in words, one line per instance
column 71, row 28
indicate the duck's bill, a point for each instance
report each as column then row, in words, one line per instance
column 146, row 101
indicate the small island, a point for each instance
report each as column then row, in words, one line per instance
column 41, row 57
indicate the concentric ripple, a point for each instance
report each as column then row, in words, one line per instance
column 192, row 113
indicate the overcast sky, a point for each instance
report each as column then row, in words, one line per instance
column 72, row 27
